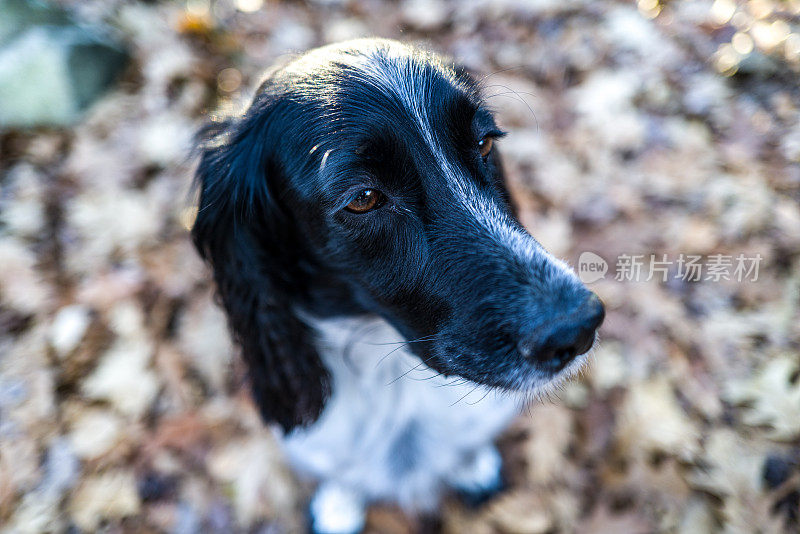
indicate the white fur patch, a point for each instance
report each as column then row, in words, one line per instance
column 482, row 473
column 335, row 510
column 393, row 429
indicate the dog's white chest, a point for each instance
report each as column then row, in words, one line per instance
column 393, row 428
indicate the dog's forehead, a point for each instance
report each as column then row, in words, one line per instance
column 375, row 73
column 372, row 91
column 382, row 59
column 409, row 75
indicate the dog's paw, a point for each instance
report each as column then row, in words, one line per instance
column 480, row 478
column 336, row 510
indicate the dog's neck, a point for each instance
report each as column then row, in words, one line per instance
column 409, row 427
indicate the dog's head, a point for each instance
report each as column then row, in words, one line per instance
column 363, row 179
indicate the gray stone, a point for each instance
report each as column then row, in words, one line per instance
column 51, row 68
column 21, row 15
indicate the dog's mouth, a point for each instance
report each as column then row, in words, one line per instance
column 510, row 372
column 556, row 360
column 519, row 351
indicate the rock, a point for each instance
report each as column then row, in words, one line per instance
column 50, row 67
column 21, row 15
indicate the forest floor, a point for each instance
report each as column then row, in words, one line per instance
column 634, row 130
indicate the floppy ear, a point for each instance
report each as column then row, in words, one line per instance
column 249, row 242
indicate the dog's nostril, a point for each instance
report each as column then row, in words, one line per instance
column 561, row 359
column 557, row 343
column 593, row 313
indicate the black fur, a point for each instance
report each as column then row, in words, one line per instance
column 243, row 232
column 274, row 183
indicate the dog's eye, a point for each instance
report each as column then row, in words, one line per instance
column 366, row 200
column 485, row 146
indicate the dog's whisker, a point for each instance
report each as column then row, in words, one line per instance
column 347, row 352
column 507, row 69
column 479, row 400
column 401, row 345
column 417, row 340
column 454, row 382
column 388, row 354
column 406, row 373
column 518, row 94
column 467, row 394
column 508, row 90
column 423, row 362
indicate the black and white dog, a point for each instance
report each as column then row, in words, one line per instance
column 392, row 311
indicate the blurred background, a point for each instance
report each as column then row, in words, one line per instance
column 649, row 128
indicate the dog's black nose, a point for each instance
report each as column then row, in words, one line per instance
column 558, row 342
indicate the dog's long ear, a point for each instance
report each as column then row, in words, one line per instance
column 248, row 240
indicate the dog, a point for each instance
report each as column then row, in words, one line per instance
column 392, row 311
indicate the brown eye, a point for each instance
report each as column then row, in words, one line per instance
column 366, row 200
column 485, row 146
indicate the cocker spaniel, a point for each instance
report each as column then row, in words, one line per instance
column 392, row 311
